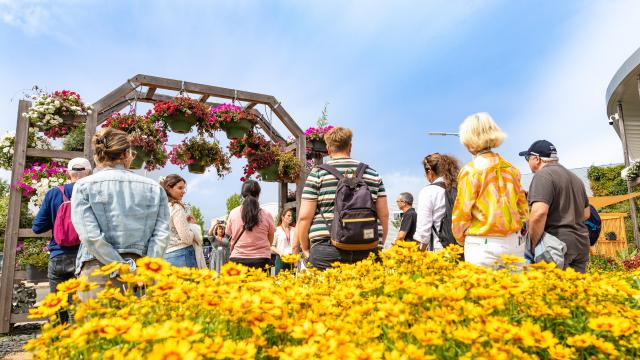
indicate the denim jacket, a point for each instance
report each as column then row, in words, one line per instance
column 116, row 211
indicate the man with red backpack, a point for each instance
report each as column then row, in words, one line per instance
column 55, row 214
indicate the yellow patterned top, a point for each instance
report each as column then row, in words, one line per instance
column 490, row 199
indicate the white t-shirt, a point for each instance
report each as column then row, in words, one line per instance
column 282, row 243
column 431, row 209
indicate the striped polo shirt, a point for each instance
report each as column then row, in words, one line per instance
column 321, row 187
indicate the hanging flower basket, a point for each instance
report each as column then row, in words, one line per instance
column 147, row 136
column 237, row 130
column 631, row 172
column 197, row 167
column 269, row 173
column 197, row 154
column 318, row 146
column 233, row 120
column 180, row 123
column 141, row 156
column 34, row 140
column 57, row 113
column 181, row 113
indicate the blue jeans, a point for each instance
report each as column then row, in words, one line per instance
column 61, row 269
column 185, row 257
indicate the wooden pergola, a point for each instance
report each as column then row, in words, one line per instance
column 141, row 88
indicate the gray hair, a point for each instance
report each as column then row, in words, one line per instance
column 406, row 197
column 550, row 160
column 79, row 174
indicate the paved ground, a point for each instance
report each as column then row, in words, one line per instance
column 11, row 344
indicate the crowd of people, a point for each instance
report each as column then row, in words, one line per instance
column 119, row 216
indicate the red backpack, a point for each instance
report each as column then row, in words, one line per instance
column 64, row 233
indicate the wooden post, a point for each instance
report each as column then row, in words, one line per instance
column 302, row 155
column 283, row 190
column 89, row 131
column 632, row 201
column 13, row 218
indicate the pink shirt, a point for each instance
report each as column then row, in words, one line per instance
column 252, row 244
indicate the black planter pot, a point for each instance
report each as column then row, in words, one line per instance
column 318, row 146
column 35, row 274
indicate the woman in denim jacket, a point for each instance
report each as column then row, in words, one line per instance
column 119, row 216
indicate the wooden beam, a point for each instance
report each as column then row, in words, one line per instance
column 150, row 92
column 291, row 147
column 267, row 127
column 22, row 318
column 20, row 275
column 250, row 106
column 28, row 233
column 203, row 98
column 286, row 119
column 116, row 95
column 282, row 197
column 302, row 156
column 89, row 132
column 215, row 91
column 54, row 154
column 13, row 218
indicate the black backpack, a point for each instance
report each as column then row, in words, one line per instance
column 355, row 220
column 445, row 234
column 594, row 224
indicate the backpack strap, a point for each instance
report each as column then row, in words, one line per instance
column 440, row 184
column 233, row 243
column 64, row 196
column 362, row 167
column 332, row 170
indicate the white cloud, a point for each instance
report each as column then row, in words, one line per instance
column 566, row 105
column 39, row 17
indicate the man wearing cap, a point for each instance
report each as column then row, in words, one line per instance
column 62, row 259
column 559, row 204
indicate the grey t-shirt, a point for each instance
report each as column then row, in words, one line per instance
column 567, row 198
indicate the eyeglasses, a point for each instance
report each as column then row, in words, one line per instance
column 529, row 156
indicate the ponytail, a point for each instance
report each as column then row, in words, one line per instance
column 250, row 205
column 445, row 166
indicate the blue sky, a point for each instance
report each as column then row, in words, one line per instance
column 390, row 70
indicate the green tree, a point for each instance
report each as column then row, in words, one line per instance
column 606, row 181
column 233, row 202
column 197, row 214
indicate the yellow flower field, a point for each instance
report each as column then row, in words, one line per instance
column 412, row 305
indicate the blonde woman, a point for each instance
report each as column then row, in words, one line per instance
column 491, row 207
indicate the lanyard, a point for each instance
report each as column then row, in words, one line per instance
column 285, row 234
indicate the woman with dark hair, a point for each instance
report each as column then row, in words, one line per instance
column 220, row 246
column 119, row 216
column 283, row 244
column 186, row 237
column 441, row 172
column 251, row 229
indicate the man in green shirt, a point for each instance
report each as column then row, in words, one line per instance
column 318, row 201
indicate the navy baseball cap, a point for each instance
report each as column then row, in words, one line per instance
column 541, row 148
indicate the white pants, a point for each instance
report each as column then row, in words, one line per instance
column 486, row 250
